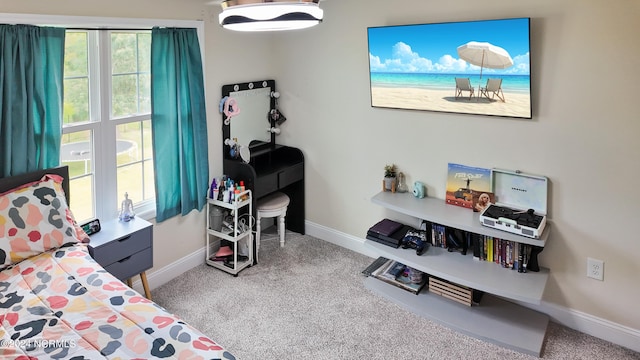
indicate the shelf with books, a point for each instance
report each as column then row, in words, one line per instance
column 481, row 275
column 438, row 211
column 464, row 270
column 512, row 325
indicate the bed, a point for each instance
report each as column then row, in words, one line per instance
column 58, row 303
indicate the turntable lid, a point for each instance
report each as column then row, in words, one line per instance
column 519, row 190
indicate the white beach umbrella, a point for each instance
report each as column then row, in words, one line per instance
column 485, row 55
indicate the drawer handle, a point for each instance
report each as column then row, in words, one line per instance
column 125, row 259
column 124, row 238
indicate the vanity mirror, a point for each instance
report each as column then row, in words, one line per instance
column 250, row 126
column 250, row 151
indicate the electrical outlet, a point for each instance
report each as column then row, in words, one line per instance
column 595, row 269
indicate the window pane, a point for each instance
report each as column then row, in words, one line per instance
column 135, row 176
column 147, row 155
column 76, row 151
column 144, row 52
column 75, row 54
column 124, row 95
column 130, row 74
column 128, row 143
column 144, row 69
column 147, row 149
column 82, row 200
column 149, row 183
column 144, row 96
column 130, row 182
column 76, row 100
column 76, row 78
column 123, row 53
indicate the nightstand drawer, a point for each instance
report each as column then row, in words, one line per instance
column 132, row 265
column 122, row 247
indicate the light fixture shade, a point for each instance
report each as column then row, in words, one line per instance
column 264, row 15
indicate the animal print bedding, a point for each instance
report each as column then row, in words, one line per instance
column 61, row 304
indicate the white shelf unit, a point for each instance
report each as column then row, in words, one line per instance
column 495, row 320
column 235, row 236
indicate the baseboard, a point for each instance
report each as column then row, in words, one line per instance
column 163, row 275
column 585, row 323
column 339, row 238
column 592, row 325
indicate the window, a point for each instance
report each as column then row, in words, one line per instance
column 106, row 127
column 106, row 121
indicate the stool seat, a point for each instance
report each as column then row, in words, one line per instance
column 273, row 205
column 274, row 201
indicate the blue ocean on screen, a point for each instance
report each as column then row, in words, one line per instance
column 510, row 83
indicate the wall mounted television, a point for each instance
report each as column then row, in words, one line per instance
column 472, row 67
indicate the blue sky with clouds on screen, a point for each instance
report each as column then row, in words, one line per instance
column 432, row 48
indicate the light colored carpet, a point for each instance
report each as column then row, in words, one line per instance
column 307, row 301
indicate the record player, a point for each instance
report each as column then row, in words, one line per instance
column 521, row 203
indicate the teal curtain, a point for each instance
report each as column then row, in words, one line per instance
column 31, row 79
column 178, row 121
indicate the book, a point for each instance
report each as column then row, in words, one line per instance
column 404, row 281
column 385, row 227
column 438, row 235
column 465, row 181
column 475, row 243
column 397, row 274
column 375, row 265
column 521, row 254
column 376, row 273
column 393, row 271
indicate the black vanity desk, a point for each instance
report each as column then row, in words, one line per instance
column 272, row 168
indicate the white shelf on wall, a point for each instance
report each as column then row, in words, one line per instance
column 495, row 319
column 439, row 212
column 464, row 270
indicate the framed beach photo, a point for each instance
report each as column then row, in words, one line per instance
column 472, row 67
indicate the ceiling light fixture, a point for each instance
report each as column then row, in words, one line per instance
column 270, row 15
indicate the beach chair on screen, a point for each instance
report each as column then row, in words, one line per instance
column 463, row 84
column 494, row 86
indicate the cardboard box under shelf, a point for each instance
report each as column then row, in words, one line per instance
column 455, row 292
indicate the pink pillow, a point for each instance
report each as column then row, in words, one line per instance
column 35, row 218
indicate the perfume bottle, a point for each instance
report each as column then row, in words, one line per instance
column 402, row 184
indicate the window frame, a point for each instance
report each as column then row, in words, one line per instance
column 106, row 199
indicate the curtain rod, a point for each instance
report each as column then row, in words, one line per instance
column 109, row 28
column 119, row 29
column 106, row 29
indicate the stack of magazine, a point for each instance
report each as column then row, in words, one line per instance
column 397, row 274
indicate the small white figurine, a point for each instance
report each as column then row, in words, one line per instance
column 126, row 210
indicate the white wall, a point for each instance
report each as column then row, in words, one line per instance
column 583, row 135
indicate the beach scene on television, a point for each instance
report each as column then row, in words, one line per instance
column 474, row 67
